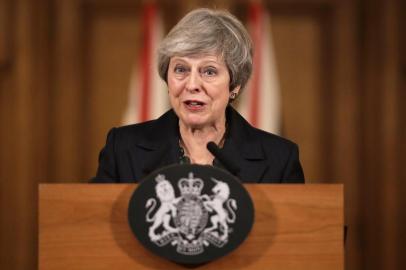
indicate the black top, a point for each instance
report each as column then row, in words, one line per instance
column 132, row 152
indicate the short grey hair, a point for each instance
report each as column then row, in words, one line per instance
column 205, row 31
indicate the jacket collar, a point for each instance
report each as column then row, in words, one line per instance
column 160, row 146
column 244, row 147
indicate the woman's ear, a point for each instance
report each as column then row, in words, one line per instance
column 237, row 89
column 234, row 92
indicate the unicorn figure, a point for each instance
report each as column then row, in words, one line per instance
column 221, row 193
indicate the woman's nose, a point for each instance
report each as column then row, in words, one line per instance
column 194, row 81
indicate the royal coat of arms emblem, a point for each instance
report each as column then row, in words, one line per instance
column 191, row 213
column 192, row 220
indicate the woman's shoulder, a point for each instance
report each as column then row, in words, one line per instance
column 273, row 141
column 165, row 120
column 251, row 133
column 131, row 129
column 148, row 130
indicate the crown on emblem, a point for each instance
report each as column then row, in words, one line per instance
column 191, row 185
column 159, row 178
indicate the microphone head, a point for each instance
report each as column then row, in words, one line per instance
column 212, row 147
column 227, row 162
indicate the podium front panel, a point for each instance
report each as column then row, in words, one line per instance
column 85, row 226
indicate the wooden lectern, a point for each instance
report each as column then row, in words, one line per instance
column 84, row 226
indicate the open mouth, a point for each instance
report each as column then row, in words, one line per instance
column 194, row 104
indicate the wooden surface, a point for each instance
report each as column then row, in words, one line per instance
column 84, row 226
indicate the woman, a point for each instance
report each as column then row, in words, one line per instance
column 206, row 60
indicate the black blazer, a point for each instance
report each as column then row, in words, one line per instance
column 132, row 152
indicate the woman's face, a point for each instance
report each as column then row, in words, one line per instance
column 199, row 89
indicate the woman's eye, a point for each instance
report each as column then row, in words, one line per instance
column 179, row 69
column 210, row 72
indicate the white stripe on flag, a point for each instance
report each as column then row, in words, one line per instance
column 147, row 98
column 263, row 89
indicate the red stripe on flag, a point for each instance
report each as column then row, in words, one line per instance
column 256, row 19
column 148, row 20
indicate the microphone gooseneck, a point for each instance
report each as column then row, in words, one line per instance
column 228, row 163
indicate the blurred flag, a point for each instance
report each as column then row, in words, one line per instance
column 147, row 97
column 260, row 103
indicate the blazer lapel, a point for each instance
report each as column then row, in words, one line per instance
column 249, row 158
column 244, row 148
column 158, row 147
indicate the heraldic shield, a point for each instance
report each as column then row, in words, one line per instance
column 191, row 214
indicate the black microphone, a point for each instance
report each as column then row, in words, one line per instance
column 228, row 163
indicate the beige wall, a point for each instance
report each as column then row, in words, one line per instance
column 64, row 73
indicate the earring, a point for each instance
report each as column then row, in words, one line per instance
column 233, row 95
